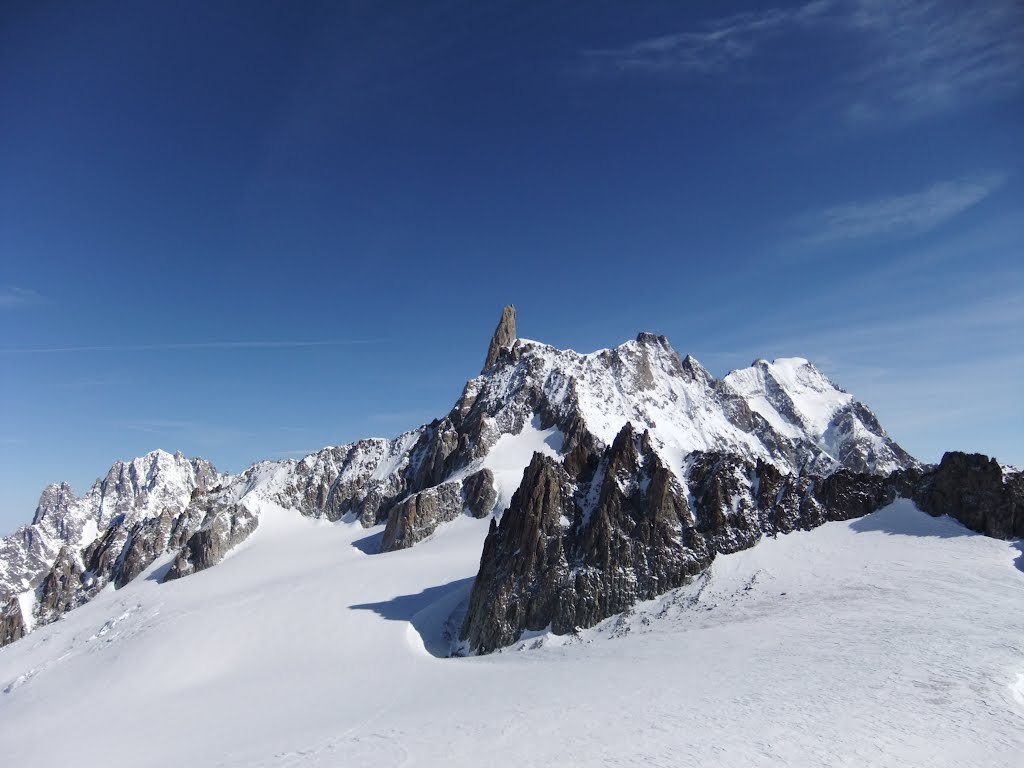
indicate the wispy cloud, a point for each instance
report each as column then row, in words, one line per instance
column 713, row 48
column 904, row 58
column 196, row 345
column 12, row 296
column 930, row 55
column 908, row 214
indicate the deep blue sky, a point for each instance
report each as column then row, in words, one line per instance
column 192, row 193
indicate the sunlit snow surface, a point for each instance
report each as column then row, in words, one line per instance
column 509, row 456
column 893, row 640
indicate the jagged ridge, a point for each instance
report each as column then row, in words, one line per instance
column 572, row 551
column 786, row 414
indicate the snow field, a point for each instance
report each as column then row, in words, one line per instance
column 893, row 640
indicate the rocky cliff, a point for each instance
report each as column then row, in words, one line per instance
column 577, row 547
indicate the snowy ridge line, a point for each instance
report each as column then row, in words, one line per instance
column 531, row 397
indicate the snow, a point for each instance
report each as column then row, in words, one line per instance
column 399, row 451
column 90, row 532
column 893, row 640
column 815, row 399
column 511, row 454
column 635, row 382
column 26, row 602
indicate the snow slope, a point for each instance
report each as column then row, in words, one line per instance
column 893, row 640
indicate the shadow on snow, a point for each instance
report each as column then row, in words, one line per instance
column 905, row 519
column 370, row 545
column 405, row 607
column 434, row 613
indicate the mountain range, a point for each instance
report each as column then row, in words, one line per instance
column 609, row 478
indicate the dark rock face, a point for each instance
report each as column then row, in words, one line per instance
column 432, row 456
column 574, row 549
column 61, row 590
column 146, row 542
column 640, row 539
column 222, row 529
column 12, row 624
column 974, row 489
column 523, row 569
column 418, row 516
column 478, row 491
column 570, row 554
column 125, row 550
column 504, row 337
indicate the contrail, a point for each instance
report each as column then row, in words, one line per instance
column 193, row 345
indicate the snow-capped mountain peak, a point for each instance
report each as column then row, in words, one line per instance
column 530, row 397
column 790, row 393
column 131, row 492
column 801, row 403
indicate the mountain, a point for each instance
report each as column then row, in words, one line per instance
column 66, row 529
column 639, row 563
column 621, row 434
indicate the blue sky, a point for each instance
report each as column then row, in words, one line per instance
column 251, row 230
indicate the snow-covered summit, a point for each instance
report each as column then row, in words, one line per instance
column 790, row 393
column 786, row 412
column 801, row 403
column 131, row 491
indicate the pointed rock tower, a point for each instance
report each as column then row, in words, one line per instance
column 504, row 336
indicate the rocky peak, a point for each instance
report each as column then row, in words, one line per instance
column 694, row 371
column 652, row 339
column 503, row 338
column 53, row 501
column 570, row 552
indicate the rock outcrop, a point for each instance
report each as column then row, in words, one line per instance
column 579, row 545
column 12, row 623
column 523, row 568
column 572, row 551
column 503, row 338
column 222, row 529
column 478, row 491
column 418, row 516
column 977, row 491
column 61, row 590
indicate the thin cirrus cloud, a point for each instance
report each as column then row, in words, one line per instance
column 902, row 215
column 911, row 58
column 714, row 48
column 930, row 55
column 194, row 345
column 12, row 296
